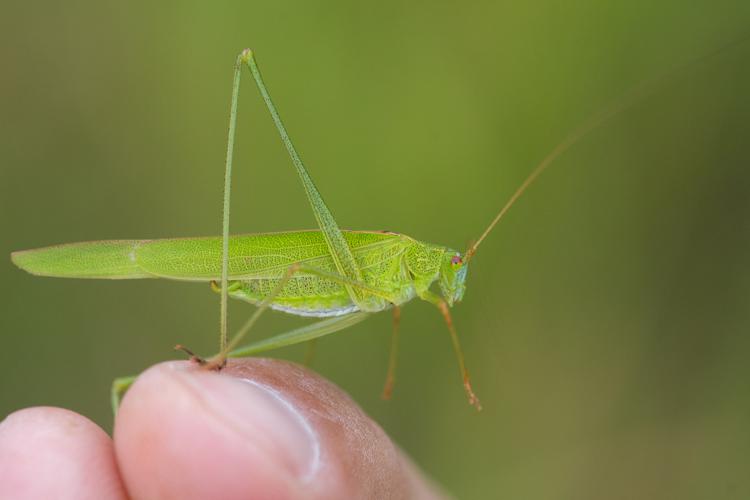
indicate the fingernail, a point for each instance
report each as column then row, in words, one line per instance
column 260, row 415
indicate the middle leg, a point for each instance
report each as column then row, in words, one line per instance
column 390, row 379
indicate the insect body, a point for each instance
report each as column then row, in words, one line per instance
column 343, row 275
column 395, row 265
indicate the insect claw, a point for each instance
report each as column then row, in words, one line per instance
column 180, row 347
column 193, row 357
column 473, row 399
column 215, row 364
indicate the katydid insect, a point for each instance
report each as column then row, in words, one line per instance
column 339, row 275
column 328, row 273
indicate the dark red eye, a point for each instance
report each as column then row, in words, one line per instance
column 456, row 260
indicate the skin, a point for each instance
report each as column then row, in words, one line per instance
column 261, row 428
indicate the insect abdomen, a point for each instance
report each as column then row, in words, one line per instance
column 316, row 312
column 303, row 295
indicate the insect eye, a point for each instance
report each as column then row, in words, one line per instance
column 456, row 260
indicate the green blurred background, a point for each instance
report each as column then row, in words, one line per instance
column 606, row 320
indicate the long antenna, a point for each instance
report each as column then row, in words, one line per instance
column 629, row 98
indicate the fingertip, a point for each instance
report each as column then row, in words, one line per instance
column 259, row 429
column 182, row 432
column 55, row 453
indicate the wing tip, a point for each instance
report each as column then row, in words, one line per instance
column 17, row 258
